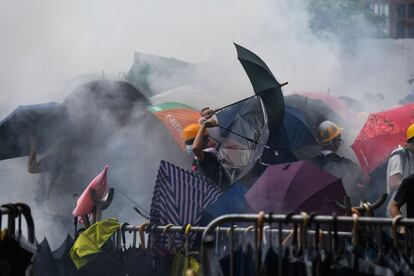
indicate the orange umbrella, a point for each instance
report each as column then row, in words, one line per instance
column 175, row 117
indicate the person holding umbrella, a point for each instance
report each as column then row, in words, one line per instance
column 400, row 169
column 196, row 140
column 329, row 137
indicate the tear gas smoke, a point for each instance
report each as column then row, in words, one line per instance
column 47, row 44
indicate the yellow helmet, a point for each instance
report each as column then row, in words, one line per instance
column 327, row 131
column 410, row 132
column 190, row 132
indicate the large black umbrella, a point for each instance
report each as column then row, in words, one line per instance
column 48, row 122
column 264, row 84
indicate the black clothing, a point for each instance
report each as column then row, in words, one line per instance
column 405, row 194
column 212, row 169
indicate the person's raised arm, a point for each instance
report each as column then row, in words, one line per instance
column 198, row 144
column 34, row 166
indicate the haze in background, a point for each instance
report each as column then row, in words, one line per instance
column 46, row 45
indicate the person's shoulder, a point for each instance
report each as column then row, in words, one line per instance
column 397, row 151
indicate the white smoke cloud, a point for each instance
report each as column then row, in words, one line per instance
column 46, row 44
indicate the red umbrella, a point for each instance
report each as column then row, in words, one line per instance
column 382, row 132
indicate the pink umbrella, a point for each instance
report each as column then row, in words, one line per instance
column 99, row 185
column 297, row 186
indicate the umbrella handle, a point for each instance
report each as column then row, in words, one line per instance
column 25, row 210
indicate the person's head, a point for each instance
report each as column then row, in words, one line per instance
column 410, row 138
column 190, row 133
column 328, row 135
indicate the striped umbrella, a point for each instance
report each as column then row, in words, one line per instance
column 179, row 198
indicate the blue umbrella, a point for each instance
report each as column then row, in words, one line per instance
column 230, row 202
column 48, row 122
column 294, row 133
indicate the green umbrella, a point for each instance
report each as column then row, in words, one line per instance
column 264, row 84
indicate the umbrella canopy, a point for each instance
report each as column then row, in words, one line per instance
column 242, row 136
column 175, row 117
column 146, row 71
column 352, row 104
column 85, row 204
column 297, row 186
column 179, row 198
column 382, row 132
column 48, row 122
column 294, row 133
column 230, row 202
column 333, row 102
column 43, row 262
column 264, row 84
column 314, row 110
column 245, row 125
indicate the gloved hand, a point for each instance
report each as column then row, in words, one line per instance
column 212, row 122
column 207, row 112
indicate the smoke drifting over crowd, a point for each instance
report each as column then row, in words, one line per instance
column 46, row 45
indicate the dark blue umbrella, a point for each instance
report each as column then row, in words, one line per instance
column 294, row 133
column 48, row 122
column 231, row 202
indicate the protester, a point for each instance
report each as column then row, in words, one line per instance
column 399, row 167
column 329, row 137
column 404, row 196
column 196, row 140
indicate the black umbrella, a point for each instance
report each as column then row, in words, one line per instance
column 48, row 122
column 264, row 84
column 44, row 263
column 61, row 255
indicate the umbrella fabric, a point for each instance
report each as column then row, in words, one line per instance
column 243, row 263
column 90, row 242
column 181, row 264
column 48, row 122
column 352, row 104
column 146, row 70
column 382, row 132
column 61, row 255
column 64, row 248
column 175, row 117
column 99, row 185
column 333, row 102
column 179, row 197
column 44, row 263
column 314, row 110
column 294, row 133
column 242, row 137
column 230, row 202
column 264, row 84
column 297, row 186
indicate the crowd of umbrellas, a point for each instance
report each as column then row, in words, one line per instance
column 262, row 142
